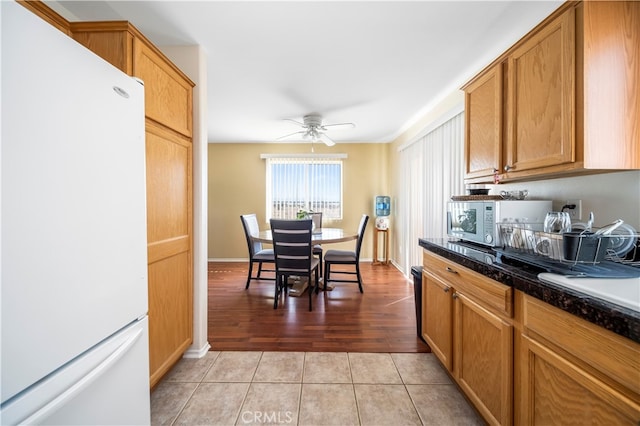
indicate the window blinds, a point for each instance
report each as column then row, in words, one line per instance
column 432, row 170
column 304, row 183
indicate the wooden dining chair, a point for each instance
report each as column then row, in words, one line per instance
column 293, row 255
column 346, row 257
column 257, row 254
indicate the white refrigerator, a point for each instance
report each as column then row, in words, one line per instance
column 74, row 328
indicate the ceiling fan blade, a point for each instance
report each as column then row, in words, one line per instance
column 291, row 134
column 297, row 122
column 351, row 125
column 326, row 139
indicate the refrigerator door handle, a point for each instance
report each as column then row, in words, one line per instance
column 85, row 380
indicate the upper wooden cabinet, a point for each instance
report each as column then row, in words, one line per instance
column 483, row 124
column 568, row 98
column 611, row 84
column 541, row 91
column 168, row 92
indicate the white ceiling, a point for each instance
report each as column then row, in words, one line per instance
column 379, row 64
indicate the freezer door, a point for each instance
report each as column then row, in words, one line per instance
column 108, row 385
column 74, row 255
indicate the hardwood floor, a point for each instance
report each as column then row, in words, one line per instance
column 382, row 319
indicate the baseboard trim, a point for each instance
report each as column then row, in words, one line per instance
column 197, row 352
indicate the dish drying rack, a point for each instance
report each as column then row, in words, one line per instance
column 530, row 240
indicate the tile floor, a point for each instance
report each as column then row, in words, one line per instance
column 310, row 388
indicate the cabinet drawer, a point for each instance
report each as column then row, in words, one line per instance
column 613, row 355
column 485, row 291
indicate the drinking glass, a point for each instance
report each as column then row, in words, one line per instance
column 557, row 222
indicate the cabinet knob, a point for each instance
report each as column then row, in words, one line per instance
column 446, row 289
column 507, row 168
column 453, row 271
column 495, row 170
column 454, row 295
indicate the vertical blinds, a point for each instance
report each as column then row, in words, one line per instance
column 432, row 171
column 304, row 183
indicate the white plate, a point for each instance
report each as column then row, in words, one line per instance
column 622, row 240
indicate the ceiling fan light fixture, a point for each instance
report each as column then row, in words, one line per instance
column 315, row 130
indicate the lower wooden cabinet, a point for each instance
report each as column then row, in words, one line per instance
column 437, row 324
column 558, row 392
column 522, row 361
column 483, row 359
column 573, row 372
column 470, row 336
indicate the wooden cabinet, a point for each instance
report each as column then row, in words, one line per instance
column 169, row 159
column 611, row 73
column 573, row 372
column 541, row 91
column 437, row 322
column 483, row 124
column 567, row 96
column 467, row 324
column 483, row 358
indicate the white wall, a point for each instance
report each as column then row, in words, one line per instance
column 193, row 62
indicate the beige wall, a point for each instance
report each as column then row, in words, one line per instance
column 237, row 186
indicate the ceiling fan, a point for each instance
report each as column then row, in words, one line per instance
column 314, row 130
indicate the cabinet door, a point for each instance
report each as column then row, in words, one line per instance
column 557, row 392
column 483, row 359
column 437, row 321
column 168, row 96
column 483, row 124
column 541, row 86
column 169, row 197
column 611, row 79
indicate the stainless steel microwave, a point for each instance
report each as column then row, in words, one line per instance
column 477, row 221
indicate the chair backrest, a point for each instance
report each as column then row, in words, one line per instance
column 292, row 245
column 316, row 217
column 250, row 225
column 361, row 229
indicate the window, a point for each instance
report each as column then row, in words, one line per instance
column 311, row 183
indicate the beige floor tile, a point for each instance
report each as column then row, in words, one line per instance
column 373, row 368
column 326, row 367
column 385, row 405
column 167, row 400
column 328, row 404
column 190, row 369
column 442, row 405
column 233, row 367
column 280, row 367
column 214, row 404
column 271, row 403
column 420, row 369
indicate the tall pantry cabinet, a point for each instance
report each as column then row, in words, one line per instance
column 168, row 112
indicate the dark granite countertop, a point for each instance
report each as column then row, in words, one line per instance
column 484, row 260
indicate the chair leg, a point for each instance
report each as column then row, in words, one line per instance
column 277, row 292
column 325, row 276
column 249, row 276
column 359, row 277
column 310, row 291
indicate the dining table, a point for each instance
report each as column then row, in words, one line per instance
column 318, row 236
